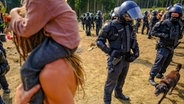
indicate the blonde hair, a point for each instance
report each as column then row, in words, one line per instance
column 76, row 62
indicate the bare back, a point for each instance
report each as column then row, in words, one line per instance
column 58, row 82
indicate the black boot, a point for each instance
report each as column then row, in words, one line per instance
column 159, row 75
column 107, row 102
column 151, row 80
column 121, row 96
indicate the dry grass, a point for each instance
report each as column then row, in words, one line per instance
column 94, row 62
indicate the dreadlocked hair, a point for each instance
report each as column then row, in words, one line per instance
column 25, row 45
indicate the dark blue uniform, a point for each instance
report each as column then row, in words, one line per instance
column 169, row 33
column 87, row 20
column 153, row 21
column 137, row 25
column 82, row 21
column 145, row 24
column 98, row 20
column 122, row 48
column 121, row 41
column 92, row 20
column 166, row 15
column 4, row 68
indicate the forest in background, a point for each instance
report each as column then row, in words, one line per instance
column 82, row 6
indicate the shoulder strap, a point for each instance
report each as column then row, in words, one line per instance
column 116, row 25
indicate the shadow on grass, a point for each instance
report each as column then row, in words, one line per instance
column 180, row 93
column 180, row 47
column 124, row 102
column 173, row 63
column 144, row 62
column 172, row 100
column 179, row 54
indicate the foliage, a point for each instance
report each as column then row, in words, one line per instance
column 108, row 5
column 81, row 6
column 9, row 4
column 2, row 8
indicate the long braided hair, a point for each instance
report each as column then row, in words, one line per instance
column 25, row 45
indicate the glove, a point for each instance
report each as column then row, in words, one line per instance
column 106, row 50
column 1, row 56
column 131, row 58
column 115, row 53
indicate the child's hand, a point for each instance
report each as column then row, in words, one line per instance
column 14, row 13
column 15, row 10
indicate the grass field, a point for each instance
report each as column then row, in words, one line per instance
column 94, row 63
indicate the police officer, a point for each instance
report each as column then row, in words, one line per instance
column 145, row 22
column 122, row 48
column 87, row 20
column 169, row 32
column 138, row 23
column 98, row 20
column 3, row 67
column 153, row 21
column 92, row 20
column 83, row 21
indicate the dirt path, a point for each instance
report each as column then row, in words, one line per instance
column 94, row 62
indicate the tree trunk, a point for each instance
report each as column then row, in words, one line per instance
column 148, row 4
column 156, row 3
column 167, row 3
column 5, row 3
column 171, row 2
column 88, row 6
column 94, row 6
column 117, row 3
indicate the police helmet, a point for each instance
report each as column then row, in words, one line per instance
column 131, row 8
column 176, row 9
column 99, row 12
column 115, row 11
column 154, row 13
column 145, row 12
column 178, row 4
column 87, row 14
column 91, row 14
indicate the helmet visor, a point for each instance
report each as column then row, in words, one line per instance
column 135, row 13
